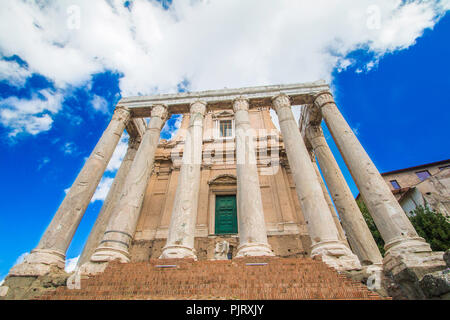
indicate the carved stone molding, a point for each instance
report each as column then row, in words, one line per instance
column 121, row 113
column 223, row 179
column 281, row 101
column 222, row 114
column 323, row 98
column 160, row 111
column 198, row 107
column 240, row 103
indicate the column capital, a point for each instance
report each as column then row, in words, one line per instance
column 198, row 106
column 240, row 103
column 133, row 143
column 160, row 111
column 121, row 113
column 323, row 98
column 281, row 100
column 313, row 131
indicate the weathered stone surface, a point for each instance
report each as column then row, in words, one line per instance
column 221, row 250
column 341, row 232
column 3, row 291
column 286, row 246
column 406, row 268
column 372, row 277
column 389, row 217
column 319, row 221
column 122, row 224
column 180, row 240
column 357, row 231
column 301, row 93
column 251, row 225
column 99, row 228
column 436, row 284
column 31, row 287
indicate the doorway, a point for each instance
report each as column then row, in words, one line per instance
column 226, row 215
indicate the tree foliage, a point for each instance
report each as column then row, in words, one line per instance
column 432, row 226
column 371, row 224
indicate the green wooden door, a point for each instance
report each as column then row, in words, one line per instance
column 226, row 215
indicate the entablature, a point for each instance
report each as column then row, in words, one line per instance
column 261, row 96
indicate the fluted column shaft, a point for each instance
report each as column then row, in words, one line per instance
column 122, row 225
column 319, row 221
column 387, row 213
column 357, row 231
column 180, row 239
column 251, row 224
column 96, row 234
column 53, row 245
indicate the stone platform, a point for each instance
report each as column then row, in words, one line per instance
column 245, row 278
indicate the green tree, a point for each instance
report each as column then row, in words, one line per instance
column 432, row 226
column 371, row 224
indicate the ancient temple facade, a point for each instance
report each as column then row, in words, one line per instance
column 229, row 184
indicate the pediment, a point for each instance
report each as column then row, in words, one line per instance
column 223, row 179
column 222, row 114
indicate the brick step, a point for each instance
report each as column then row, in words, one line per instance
column 278, row 278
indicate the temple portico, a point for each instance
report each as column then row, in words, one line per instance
column 239, row 182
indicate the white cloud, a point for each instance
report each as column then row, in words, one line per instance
column 30, row 115
column 102, row 189
column 100, row 104
column 207, row 44
column 69, row 148
column 71, row 264
column 13, row 73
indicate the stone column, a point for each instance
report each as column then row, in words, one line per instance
column 251, row 224
column 327, row 197
column 122, row 224
column 358, row 233
column 53, row 245
column 319, row 221
column 404, row 248
column 96, row 234
column 180, row 240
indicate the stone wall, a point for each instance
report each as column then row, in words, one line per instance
column 287, row 246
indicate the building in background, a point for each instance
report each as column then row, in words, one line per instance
column 423, row 185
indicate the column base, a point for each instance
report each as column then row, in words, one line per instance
column 254, row 250
column 100, row 259
column 39, row 262
column 92, row 268
column 107, row 254
column 414, row 254
column 336, row 254
column 178, row 252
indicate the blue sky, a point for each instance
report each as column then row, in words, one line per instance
column 59, row 86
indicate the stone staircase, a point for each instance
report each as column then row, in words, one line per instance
column 245, row 278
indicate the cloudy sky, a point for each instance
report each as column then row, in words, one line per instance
column 65, row 64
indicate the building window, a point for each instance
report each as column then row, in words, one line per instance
column 225, row 128
column 395, row 184
column 422, row 175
